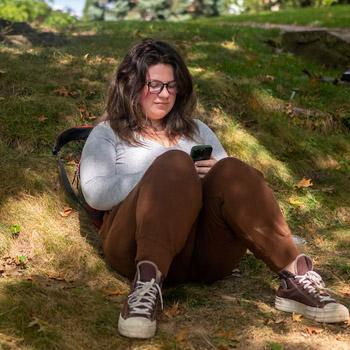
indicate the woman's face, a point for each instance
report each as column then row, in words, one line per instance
column 156, row 105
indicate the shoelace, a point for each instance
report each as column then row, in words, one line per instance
column 314, row 284
column 143, row 299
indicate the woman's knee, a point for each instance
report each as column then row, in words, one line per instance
column 232, row 167
column 175, row 156
column 176, row 169
column 176, row 163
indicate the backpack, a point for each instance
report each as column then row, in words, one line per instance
column 79, row 135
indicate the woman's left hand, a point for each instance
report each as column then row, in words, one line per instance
column 203, row 166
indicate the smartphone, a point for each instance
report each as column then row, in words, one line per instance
column 201, row 152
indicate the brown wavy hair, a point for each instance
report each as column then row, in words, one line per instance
column 123, row 109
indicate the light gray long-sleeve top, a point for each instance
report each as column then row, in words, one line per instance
column 110, row 168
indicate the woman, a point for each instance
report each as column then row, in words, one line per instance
column 174, row 220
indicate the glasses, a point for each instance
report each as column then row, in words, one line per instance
column 156, row 87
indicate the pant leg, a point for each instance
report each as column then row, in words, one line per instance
column 154, row 221
column 239, row 212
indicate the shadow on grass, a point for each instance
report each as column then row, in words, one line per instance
column 43, row 313
column 46, row 314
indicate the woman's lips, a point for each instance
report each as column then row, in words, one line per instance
column 161, row 105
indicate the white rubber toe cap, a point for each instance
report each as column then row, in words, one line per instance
column 137, row 327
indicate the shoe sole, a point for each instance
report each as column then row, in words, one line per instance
column 329, row 315
column 136, row 327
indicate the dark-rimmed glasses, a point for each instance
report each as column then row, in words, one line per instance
column 156, row 87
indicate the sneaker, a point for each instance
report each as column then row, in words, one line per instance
column 304, row 293
column 138, row 317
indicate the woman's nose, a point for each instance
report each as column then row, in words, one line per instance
column 164, row 92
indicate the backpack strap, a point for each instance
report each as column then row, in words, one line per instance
column 71, row 134
column 75, row 134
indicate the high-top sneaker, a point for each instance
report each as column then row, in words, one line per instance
column 304, row 293
column 138, row 317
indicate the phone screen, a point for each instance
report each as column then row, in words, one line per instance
column 201, row 152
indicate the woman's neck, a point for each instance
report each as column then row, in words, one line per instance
column 156, row 126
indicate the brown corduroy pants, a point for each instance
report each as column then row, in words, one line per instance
column 196, row 229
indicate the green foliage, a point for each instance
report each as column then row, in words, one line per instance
column 154, row 9
column 15, row 229
column 58, row 19
column 34, row 11
column 187, row 9
column 23, row 10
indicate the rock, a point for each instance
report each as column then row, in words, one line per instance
column 331, row 48
column 22, row 34
column 17, row 40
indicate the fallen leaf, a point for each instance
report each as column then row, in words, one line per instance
column 313, row 330
column 66, row 212
column 62, row 91
column 304, row 182
column 115, row 293
column 181, row 335
column 173, row 311
column 42, row 118
column 346, row 291
column 297, row 317
column 86, row 56
column 85, row 114
column 296, row 202
column 110, row 60
column 59, row 278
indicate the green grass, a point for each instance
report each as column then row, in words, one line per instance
column 333, row 16
column 64, row 296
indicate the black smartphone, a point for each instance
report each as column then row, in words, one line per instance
column 201, row 152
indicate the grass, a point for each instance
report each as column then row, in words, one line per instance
column 62, row 295
column 332, row 16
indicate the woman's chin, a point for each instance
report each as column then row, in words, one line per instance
column 158, row 116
